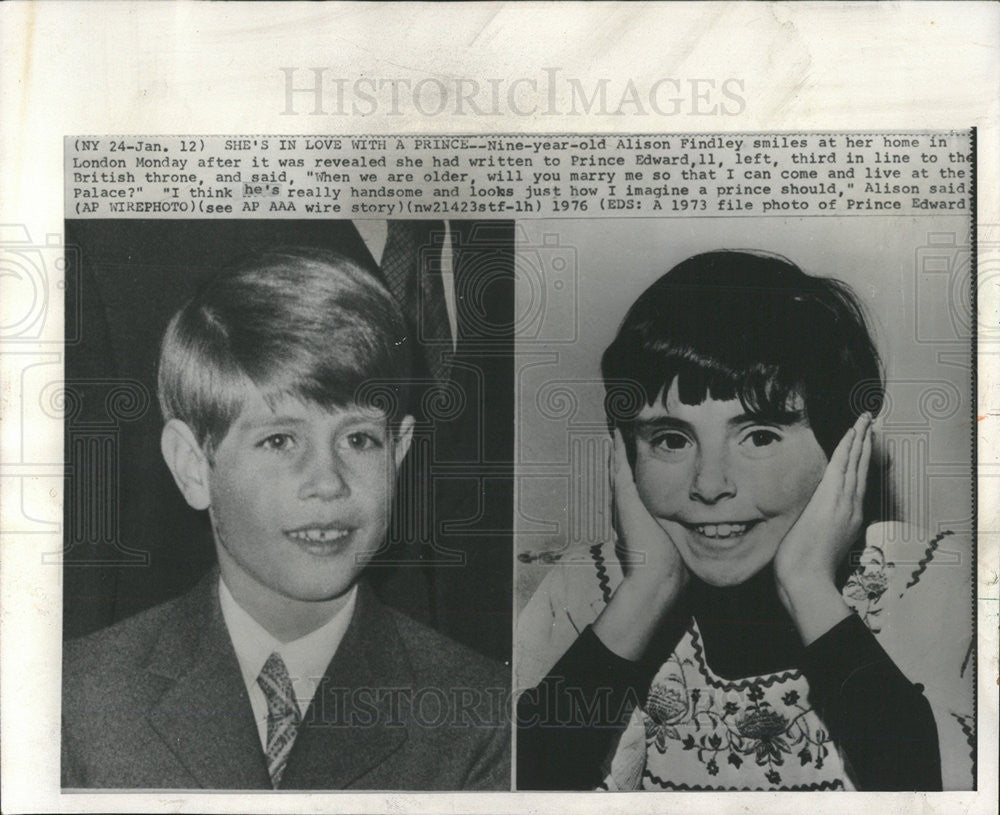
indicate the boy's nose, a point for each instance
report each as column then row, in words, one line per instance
column 324, row 478
column 712, row 481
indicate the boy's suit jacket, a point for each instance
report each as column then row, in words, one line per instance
column 158, row 701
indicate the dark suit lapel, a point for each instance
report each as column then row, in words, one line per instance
column 205, row 717
column 355, row 721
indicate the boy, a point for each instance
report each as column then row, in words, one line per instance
column 283, row 387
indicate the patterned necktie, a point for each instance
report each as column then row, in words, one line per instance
column 283, row 716
column 411, row 265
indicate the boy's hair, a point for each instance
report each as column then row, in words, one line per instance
column 751, row 326
column 302, row 322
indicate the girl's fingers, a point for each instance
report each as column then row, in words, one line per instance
column 621, row 459
column 866, row 456
column 613, row 459
column 854, row 454
column 612, row 490
column 622, row 472
column 626, row 494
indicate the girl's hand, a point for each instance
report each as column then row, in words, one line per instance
column 808, row 555
column 655, row 574
column 649, row 556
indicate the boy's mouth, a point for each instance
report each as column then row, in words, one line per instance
column 318, row 534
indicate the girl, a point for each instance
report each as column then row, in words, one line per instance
column 727, row 639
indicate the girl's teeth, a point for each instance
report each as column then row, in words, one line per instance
column 721, row 530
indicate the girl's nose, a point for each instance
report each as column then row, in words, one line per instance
column 712, row 482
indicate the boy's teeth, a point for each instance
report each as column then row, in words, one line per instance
column 318, row 535
column 721, row 530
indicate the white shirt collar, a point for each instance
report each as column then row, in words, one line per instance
column 306, row 658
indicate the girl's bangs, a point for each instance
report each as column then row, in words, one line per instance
column 765, row 390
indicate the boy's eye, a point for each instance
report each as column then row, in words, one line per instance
column 278, row 442
column 361, row 441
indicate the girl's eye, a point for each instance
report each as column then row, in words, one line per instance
column 278, row 442
column 761, row 438
column 672, row 442
column 760, row 442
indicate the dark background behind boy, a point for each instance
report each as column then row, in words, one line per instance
column 130, row 540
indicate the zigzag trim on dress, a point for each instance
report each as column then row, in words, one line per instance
column 742, row 684
column 928, row 556
column 602, row 572
column 970, row 737
column 669, row 785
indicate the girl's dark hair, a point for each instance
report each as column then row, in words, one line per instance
column 751, row 326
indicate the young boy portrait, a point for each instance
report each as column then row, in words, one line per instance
column 284, row 385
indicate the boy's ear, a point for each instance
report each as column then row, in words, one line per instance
column 187, row 462
column 403, row 438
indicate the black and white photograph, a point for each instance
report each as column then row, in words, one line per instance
column 499, row 407
column 284, row 567
column 745, row 511
column 724, row 451
column 728, row 458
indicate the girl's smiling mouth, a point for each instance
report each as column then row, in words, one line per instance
column 722, row 530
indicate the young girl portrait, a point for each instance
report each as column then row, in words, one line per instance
column 762, row 615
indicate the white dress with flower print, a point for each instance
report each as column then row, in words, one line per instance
column 698, row 731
